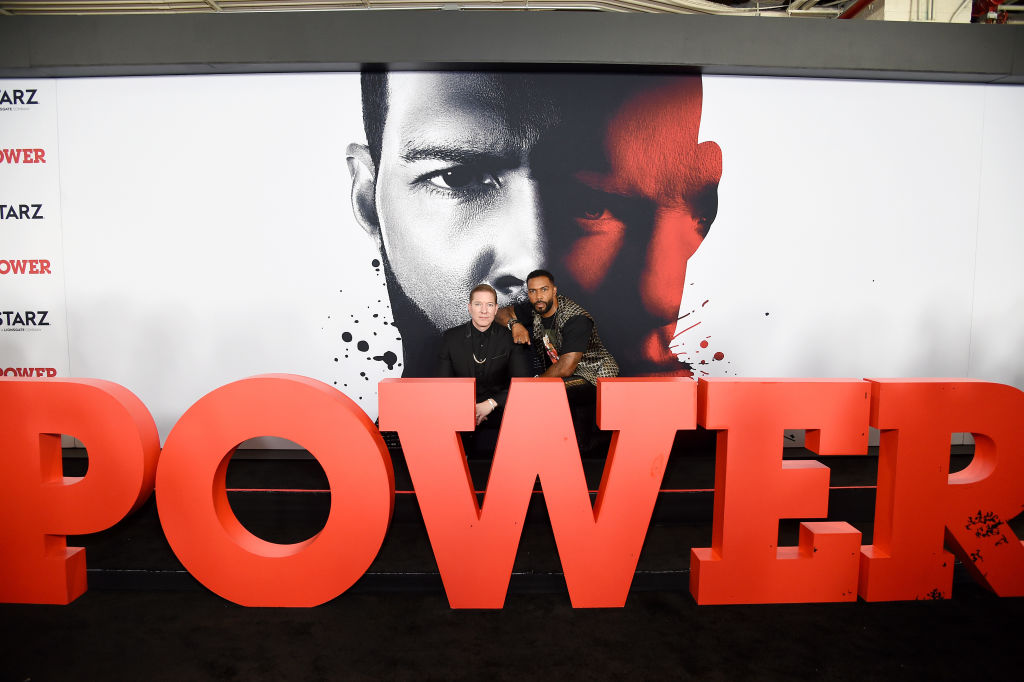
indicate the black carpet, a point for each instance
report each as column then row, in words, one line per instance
column 195, row 635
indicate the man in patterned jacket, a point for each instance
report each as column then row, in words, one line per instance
column 565, row 341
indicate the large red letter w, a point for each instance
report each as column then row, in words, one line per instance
column 475, row 546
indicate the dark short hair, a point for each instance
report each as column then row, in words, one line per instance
column 541, row 273
column 373, row 83
column 483, row 287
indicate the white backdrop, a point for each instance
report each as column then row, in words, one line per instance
column 864, row 230
column 849, row 214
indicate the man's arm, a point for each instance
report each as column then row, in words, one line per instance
column 504, row 315
column 484, row 409
column 565, row 366
column 519, row 332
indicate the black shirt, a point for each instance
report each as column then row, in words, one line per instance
column 481, row 344
column 575, row 332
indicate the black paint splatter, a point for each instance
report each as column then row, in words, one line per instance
column 984, row 524
column 375, row 263
column 346, row 337
column 363, row 346
column 388, row 358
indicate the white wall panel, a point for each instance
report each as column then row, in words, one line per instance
column 997, row 328
column 846, row 231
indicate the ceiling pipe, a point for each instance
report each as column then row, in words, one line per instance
column 798, row 8
column 854, row 9
column 823, row 12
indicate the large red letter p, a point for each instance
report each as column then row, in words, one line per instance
column 39, row 506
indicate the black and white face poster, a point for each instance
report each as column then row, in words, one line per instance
column 174, row 234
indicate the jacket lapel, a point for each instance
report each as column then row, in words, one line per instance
column 466, row 350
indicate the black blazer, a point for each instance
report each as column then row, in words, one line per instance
column 505, row 359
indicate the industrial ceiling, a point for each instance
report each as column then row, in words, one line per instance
column 781, row 8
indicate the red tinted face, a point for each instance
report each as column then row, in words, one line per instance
column 644, row 214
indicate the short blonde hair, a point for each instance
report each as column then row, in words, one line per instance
column 483, row 287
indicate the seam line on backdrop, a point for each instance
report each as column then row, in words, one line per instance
column 60, row 224
column 977, row 228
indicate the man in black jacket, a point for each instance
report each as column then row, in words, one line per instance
column 485, row 351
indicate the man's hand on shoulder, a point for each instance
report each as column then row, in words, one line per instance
column 519, row 333
column 507, row 317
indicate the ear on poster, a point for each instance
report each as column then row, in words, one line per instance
column 364, row 187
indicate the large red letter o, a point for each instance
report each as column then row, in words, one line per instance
column 207, row 537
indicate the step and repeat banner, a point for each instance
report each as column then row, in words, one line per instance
column 174, row 234
column 33, row 329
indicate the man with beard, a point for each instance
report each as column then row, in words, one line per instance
column 475, row 176
column 565, row 340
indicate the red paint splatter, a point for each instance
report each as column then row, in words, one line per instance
column 719, row 355
column 686, row 330
column 704, row 303
column 704, row 344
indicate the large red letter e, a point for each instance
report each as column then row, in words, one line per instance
column 755, row 487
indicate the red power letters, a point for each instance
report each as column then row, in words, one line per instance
column 921, row 507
